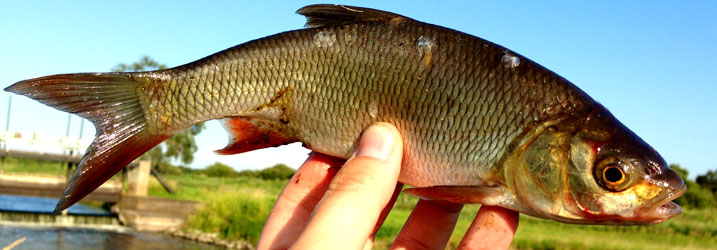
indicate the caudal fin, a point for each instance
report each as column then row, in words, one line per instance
column 110, row 101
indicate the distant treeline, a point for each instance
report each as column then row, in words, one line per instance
column 276, row 172
column 701, row 193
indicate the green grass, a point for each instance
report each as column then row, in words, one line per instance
column 237, row 215
column 694, row 229
column 200, row 187
column 31, row 166
column 236, row 208
column 38, row 167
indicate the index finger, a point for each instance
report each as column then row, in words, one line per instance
column 493, row 228
column 293, row 208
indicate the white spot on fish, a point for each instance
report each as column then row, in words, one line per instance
column 348, row 38
column 425, row 44
column 373, row 109
column 324, row 39
column 509, row 60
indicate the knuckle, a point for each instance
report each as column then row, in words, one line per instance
column 410, row 242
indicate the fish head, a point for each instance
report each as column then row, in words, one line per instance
column 593, row 170
column 617, row 178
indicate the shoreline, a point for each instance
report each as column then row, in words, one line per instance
column 98, row 227
column 197, row 236
column 211, row 238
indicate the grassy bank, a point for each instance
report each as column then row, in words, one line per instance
column 201, row 188
column 694, row 229
column 237, row 207
column 234, row 208
column 32, row 166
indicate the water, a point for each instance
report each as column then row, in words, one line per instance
column 60, row 236
column 84, row 238
column 43, row 205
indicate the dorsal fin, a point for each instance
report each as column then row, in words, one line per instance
column 329, row 14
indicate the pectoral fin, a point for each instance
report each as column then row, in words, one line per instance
column 488, row 195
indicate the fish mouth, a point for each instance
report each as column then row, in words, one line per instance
column 665, row 210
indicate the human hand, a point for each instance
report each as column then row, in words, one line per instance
column 329, row 206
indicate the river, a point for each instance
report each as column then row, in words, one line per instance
column 44, row 236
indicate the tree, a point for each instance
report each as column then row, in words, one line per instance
column 696, row 196
column 220, row 170
column 680, row 171
column 277, row 172
column 708, row 180
column 182, row 145
column 145, row 63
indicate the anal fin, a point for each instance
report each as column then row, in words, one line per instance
column 247, row 134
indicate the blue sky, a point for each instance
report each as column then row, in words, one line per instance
column 652, row 63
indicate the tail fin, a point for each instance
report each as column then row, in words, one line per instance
column 110, row 101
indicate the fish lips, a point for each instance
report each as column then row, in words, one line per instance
column 666, row 208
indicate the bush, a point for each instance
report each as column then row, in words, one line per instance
column 248, row 173
column 234, row 215
column 277, row 172
column 696, row 196
column 220, row 170
column 169, row 169
column 188, row 170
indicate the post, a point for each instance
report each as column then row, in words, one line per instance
column 68, row 172
column 82, row 127
column 138, row 179
column 7, row 122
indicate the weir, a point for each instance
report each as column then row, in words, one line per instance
column 59, row 220
column 132, row 207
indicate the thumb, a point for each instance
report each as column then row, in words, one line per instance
column 346, row 215
column 376, row 162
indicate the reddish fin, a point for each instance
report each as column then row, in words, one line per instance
column 455, row 194
column 110, row 101
column 250, row 134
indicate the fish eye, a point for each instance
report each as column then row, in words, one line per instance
column 611, row 175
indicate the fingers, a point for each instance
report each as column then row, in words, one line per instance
column 293, row 208
column 493, row 228
column 347, row 214
column 382, row 217
column 429, row 226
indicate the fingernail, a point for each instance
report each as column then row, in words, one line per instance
column 376, row 142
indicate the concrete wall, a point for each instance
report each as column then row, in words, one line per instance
column 146, row 213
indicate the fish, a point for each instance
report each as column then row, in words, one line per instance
column 481, row 123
